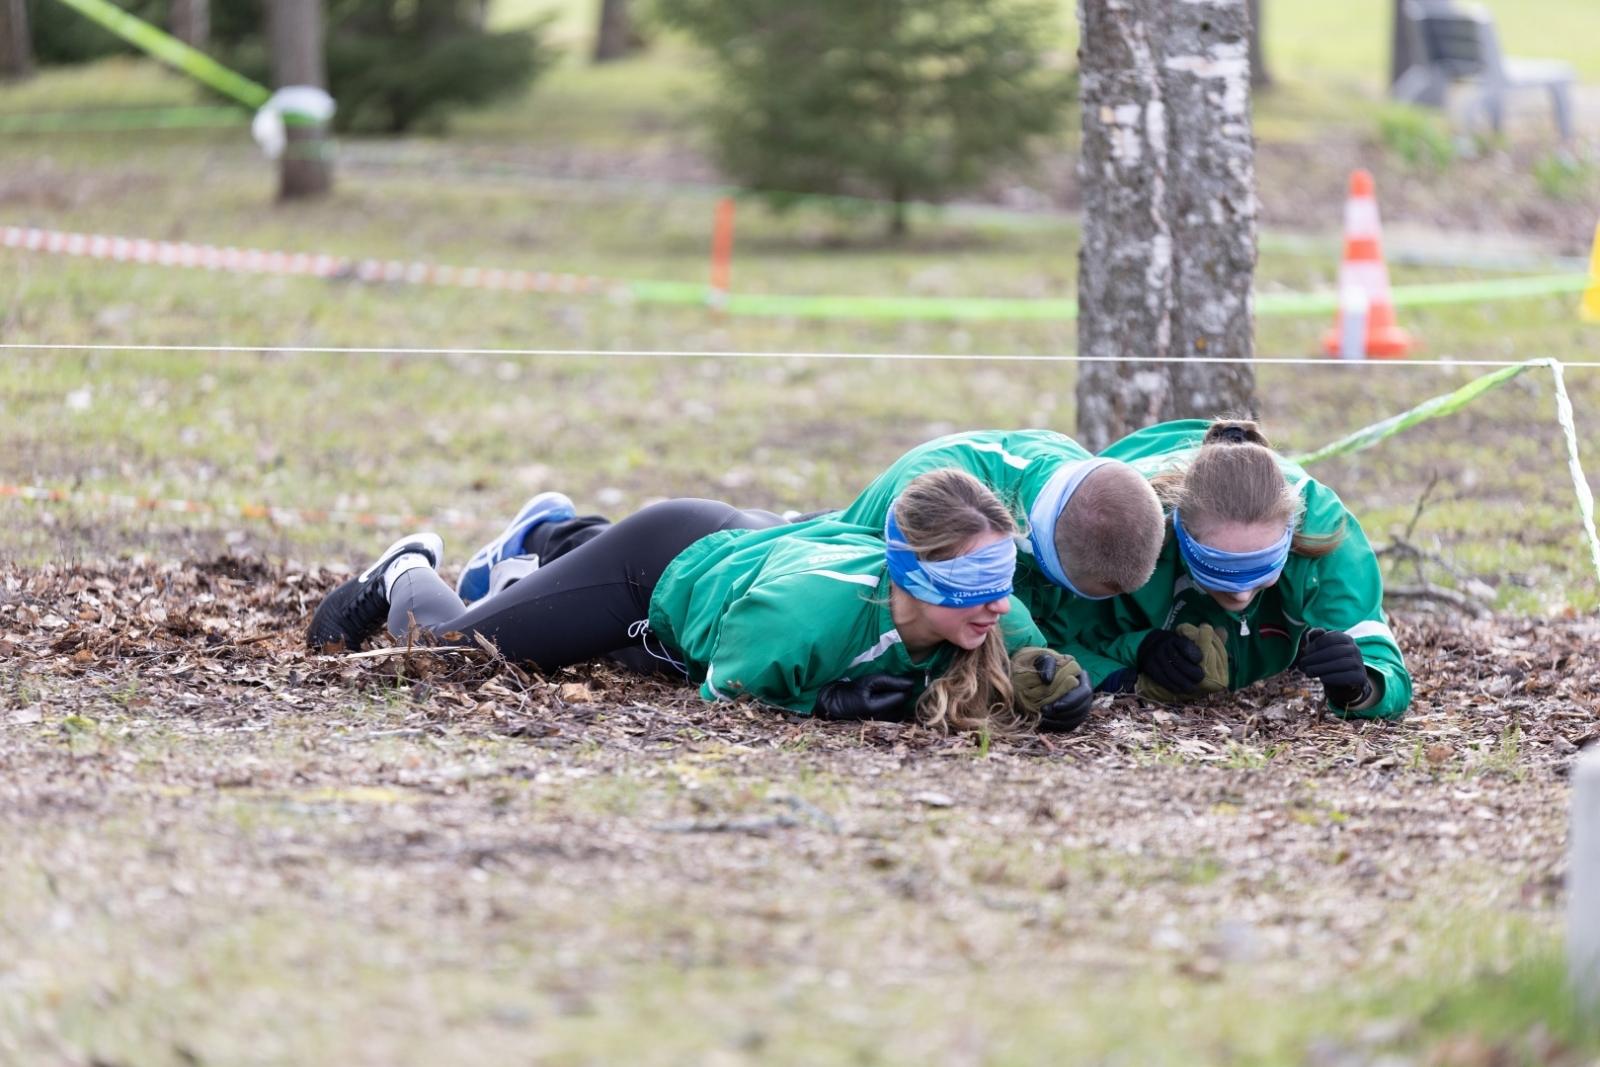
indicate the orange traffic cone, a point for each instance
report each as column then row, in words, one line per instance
column 1365, row 324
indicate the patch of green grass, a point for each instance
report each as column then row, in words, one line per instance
column 1520, row 1005
column 1562, row 174
column 1417, row 136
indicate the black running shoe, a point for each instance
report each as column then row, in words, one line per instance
column 358, row 609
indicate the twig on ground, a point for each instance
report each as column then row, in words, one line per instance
column 1429, row 591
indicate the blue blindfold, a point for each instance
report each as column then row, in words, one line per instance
column 1232, row 572
column 979, row 577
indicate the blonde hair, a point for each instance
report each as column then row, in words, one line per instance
column 940, row 513
column 1235, row 479
column 1111, row 530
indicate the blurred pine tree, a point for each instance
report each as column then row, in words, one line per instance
column 394, row 64
column 892, row 99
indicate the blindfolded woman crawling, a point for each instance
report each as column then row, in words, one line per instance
column 825, row 618
column 1263, row 569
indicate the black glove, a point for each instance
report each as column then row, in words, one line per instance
column 1332, row 658
column 877, row 696
column 1068, row 712
column 1170, row 661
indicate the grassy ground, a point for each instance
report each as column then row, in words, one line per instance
column 221, row 852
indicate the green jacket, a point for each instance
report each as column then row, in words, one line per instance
column 1014, row 465
column 1339, row 591
column 776, row 614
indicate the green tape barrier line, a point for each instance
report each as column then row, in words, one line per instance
column 898, row 307
column 1428, row 409
column 1001, row 308
column 169, row 49
column 161, row 118
column 1455, row 401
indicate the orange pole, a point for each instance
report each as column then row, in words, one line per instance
column 722, row 250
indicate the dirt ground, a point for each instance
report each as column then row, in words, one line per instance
column 220, row 848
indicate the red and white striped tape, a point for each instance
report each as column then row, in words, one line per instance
column 255, row 261
column 277, row 515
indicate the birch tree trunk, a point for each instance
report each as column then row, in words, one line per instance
column 16, row 41
column 191, row 22
column 1168, row 175
column 306, row 168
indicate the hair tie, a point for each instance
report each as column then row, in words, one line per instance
column 1234, row 435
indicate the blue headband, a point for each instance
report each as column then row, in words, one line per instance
column 1047, row 508
column 1232, row 572
column 979, row 577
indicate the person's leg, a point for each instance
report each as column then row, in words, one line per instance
column 591, row 600
column 546, row 507
column 552, row 540
column 421, row 600
column 758, row 519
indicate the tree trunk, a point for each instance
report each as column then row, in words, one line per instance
column 1400, row 57
column 306, row 168
column 191, row 22
column 16, row 41
column 1260, row 76
column 616, row 32
column 1169, row 210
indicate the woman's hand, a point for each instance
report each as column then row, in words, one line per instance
column 1333, row 658
column 883, row 697
column 1171, row 661
column 1054, row 686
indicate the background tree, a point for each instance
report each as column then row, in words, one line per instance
column 296, row 30
column 615, row 37
column 62, row 35
column 893, row 99
column 16, row 41
column 1168, row 254
column 394, row 64
column 190, row 21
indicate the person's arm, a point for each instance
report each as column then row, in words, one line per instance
column 1349, row 599
column 1106, row 656
column 774, row 643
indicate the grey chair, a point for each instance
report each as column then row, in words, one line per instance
column 1456, row 42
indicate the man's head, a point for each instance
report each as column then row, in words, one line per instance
column 1109, row 535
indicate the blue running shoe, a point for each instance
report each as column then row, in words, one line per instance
column 546, row 507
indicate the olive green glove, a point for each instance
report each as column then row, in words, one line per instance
column 1037, row 684
column 1213, row 661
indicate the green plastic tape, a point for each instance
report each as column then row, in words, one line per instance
column 159, row 118
column 1428, row 409
column 170, row 50
column 1064, row 310
column 1455, row 401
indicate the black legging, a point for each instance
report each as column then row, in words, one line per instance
column 585, row 603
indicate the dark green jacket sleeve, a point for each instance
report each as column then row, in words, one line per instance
column 1349, row 597
column 775, row 647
